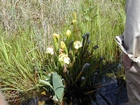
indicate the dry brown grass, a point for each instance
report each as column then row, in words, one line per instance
column 44, row 16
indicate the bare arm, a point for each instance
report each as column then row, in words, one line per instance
column 2, row 99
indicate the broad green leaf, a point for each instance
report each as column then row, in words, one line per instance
column 58, row 86
column 45, row 83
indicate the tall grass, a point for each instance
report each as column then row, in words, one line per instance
column 104, row 20
column 20, row 60
column 44, row 17
column 26, row 29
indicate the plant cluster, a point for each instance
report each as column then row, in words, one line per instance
column 72, row 57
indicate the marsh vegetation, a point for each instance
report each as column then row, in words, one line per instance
column 27, row 29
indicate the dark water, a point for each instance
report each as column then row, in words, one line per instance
column 112, row 93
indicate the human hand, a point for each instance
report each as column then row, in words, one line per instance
column 127, row 62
